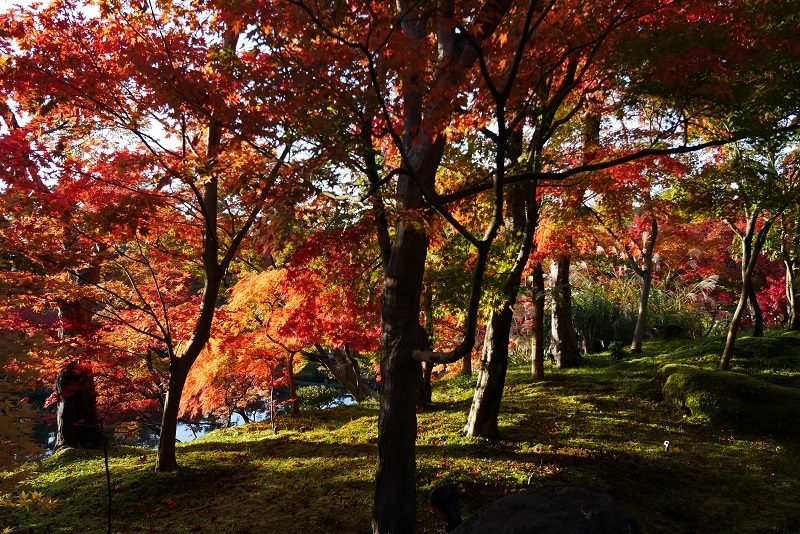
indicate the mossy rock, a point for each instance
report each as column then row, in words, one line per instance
column 732, row 399
column 783, row 347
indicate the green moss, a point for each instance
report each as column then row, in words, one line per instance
column 601, row 425
column 733, row 399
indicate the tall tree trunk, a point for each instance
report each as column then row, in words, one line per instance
column 166, row 458
column 646, row 274
column 180, row 364
column 755, row 312
column 537, row 328
column 395, row 508
column 752, row 243
column 77, row 419
column 482, row 419
column 792, row 294
column 563, row 345
column 404, row 264
column 295, row 411
column 522, row 218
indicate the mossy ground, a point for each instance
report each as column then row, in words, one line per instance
column 602, row 425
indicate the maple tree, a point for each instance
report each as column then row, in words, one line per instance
column 187, row 135
column 155, row 139
column 419, row 108
column 751, row 188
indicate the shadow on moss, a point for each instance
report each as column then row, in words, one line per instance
column 732, row 399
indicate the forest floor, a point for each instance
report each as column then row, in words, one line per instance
column 602, row 425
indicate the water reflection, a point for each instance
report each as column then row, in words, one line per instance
column 145, row 435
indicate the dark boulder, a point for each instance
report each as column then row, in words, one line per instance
column 552, row 510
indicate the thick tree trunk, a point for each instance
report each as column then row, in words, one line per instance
column 395, row 508
column 466, row 366
column 755, row 312
column 404, row 265
column 563, row 345
column 78, row 421
column 77, row 418
column 537, row 328
column 482, row 419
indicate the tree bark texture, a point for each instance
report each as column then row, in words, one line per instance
column 395, row 482
column 646, row 274
column 563, row 345
column 792, row 294
column 78, row 421
column 466, row 366
column 752, row 243
column 482, row 419
column 485, row 410
column 755, row 312
column 537, row 324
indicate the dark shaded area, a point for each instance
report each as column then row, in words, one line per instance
column 553, row 510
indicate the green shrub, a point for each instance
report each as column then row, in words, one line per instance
column 618, row 350
column 599, row 321
column 732, row 399
column 318, row 397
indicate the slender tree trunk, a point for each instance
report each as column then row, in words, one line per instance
column 166, row 459
column 755, row 312
column 563, row 344
column 522, row 218
column 752, row 244
column 482, row 419
column 792, row 294
column 295, row 412
column 733, row 329
column 424, row 394
column 641, row 319
column 646, row 275
column 537, row 320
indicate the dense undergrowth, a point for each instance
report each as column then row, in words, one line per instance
column 602, row 425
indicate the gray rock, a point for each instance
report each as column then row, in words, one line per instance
column 551, row 510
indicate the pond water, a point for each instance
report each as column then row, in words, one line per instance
column 45, row 433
